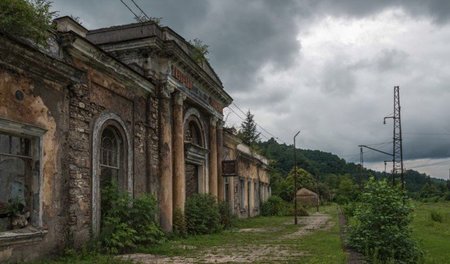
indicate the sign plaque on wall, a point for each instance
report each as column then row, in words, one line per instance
column 229, row 168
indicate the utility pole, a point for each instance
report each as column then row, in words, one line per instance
column 397, row 147
column 295, row 180
column 361, row 166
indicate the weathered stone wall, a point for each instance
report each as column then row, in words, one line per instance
column 104, row 94
column 44, row 105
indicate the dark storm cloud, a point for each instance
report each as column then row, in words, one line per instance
column 243, row 35
column 439, row 10
column 340, row 99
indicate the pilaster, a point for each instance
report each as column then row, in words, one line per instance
column 220, row 179
column 166, row 180
column 179, row 177
column 213, row 156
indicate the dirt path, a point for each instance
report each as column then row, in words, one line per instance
column 275, row 250
column 353, row 257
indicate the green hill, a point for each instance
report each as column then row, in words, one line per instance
column 329, row 168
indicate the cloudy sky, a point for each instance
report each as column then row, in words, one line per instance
column 326, row 68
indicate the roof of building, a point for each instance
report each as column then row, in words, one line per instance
column 306, row 192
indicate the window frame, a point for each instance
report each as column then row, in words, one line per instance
column 104, row 120
column 36, row 135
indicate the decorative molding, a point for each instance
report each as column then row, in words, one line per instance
column 179, row 98
column 167, row 89
column 81, row 47
column 213, row 121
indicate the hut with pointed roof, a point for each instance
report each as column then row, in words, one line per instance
column 307, row 198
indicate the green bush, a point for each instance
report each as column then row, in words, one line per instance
column 380, row 227
column 179, row 223
column 447, row 196
column 349, row 209
column 274, row 206
column 29, row 19
column 227, row 219
column 127, row 222
column 202, row 214
column 436, row 216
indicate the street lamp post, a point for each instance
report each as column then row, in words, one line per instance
column 295, row 180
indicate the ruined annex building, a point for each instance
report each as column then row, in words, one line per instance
column 126, row 103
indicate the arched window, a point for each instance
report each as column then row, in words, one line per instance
column 111, row 158
column 193, row 134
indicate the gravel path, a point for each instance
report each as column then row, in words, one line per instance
column 272, row 252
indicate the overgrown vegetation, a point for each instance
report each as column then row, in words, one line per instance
column 202, row 214
column 275, row 206
column 127, row 222
column 28, row 19
column 433, row 237
column 380, row 228
column 337, row 179
column 265, row 240
column 227, row 219
column 199, row 50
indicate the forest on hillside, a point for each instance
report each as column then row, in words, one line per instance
column 334, row 174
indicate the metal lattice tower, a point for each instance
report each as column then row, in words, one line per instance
column 397, row 152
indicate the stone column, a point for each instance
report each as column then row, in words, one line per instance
column 221, row 182
column 179, row 181
column 213, row 156
column 166, row 180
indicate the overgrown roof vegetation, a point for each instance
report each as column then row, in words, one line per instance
column 28, row 19
column 199, row 50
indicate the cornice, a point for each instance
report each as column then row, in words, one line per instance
column 215, row 88
column 23, row 58
column 82, row 47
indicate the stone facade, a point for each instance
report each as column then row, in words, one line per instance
column 246, row 179
column 125, row 104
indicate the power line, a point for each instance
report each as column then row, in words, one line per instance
column 232, row 111
column 135, row 15
column 142, row 11
column 262, row 128
column 260, row 132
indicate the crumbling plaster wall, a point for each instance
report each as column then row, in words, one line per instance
column 44, row 105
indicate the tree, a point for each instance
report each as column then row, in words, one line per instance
column 248, row 133
column 304, row 180
column 347, row 190
column 28, row 19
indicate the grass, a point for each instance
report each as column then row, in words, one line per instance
column 322, row 246
column 83, row 258
column 319, row 246
column 433, row 236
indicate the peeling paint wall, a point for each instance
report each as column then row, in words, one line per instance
column 44, row 105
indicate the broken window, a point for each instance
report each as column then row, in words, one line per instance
column 19, row 181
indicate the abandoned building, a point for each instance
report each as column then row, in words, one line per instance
column 127, row 104
column 246, row 177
